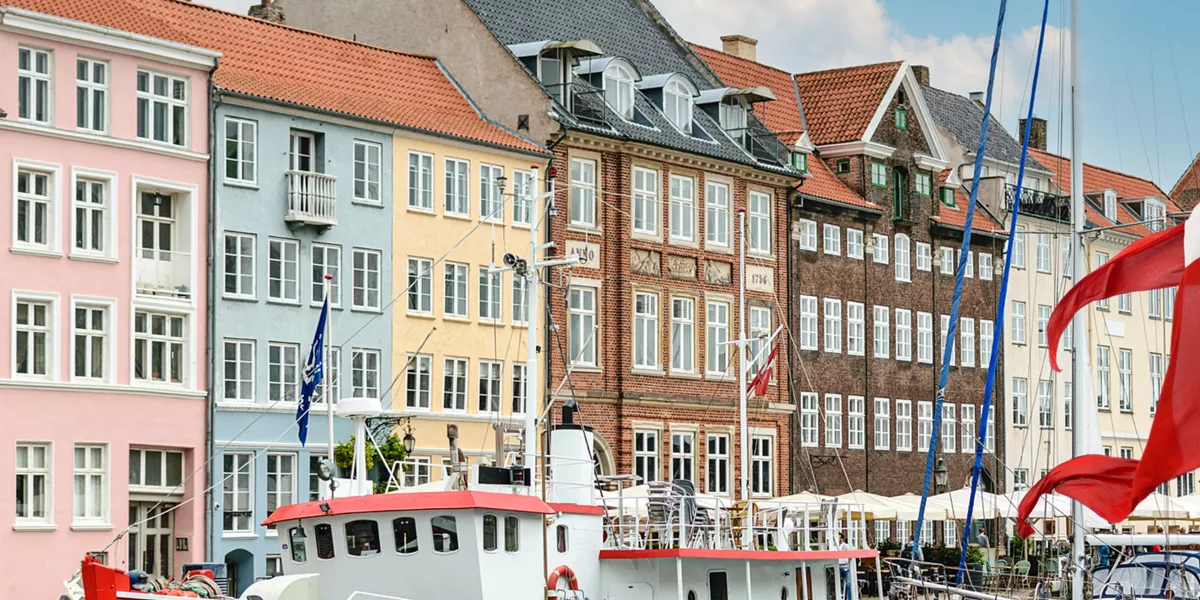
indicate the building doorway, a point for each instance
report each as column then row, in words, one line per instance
column 150, row 538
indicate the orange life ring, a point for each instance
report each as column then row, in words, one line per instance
column 563, row 571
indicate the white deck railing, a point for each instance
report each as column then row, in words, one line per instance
column 163, row 273
column 311, row 198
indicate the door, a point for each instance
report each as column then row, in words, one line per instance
column 156, row 224
column 718, row 585
column 303, row 151
column 150, row 538
column 898, row 190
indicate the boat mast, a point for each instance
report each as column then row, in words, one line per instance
column 1079, row 324
column 326, row 388
column 743, row 428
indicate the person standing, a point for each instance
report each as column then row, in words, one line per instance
column 982, row 538
column 849, row 568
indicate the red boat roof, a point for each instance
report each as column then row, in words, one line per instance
column 735, row 554
column 401, row 502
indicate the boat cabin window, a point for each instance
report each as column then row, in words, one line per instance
column 560, row 535
column 362, row 537
column 718, row 585
column 489, row 533
column 299, row 550
column 512, row 532
column 1180, row 580
column 405, row 530
column 445, row 534
column 324, row 541
column 691, row 595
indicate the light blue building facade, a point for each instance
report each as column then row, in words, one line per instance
column 298, row 194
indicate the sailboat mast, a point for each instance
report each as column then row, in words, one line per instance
column 1079, row 324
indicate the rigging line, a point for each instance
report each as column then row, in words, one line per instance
column 1112, row 95
column 1179, row 92
column 408, row 362
column 1154, row 109
column 1137, row 118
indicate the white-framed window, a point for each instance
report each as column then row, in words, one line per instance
column 1126, row 452
column 618, row 90
column 1020, row 401
column 90, row 484
column 716, row 476
column 902, row 529
column 1045, row 404
column 717, row 335
column 833, row 239
column 924, row 425
column 1043, row 252
column 581, row 306
column 1169, row 303
column 283, row 373
column 966, row 334
column 683, row 208
column 759, row 329
column 883, row 530
column 34, row 68
column 520, row 304
column 683, row 455
column 283, row 270
column 333, row 371
column 1018, row 254
column 159, row 347
column 1068, row 405
column 856, row 329
column 1020, row 479
column 241, row 150
column 1103, row 377
column 833, row 420
column 489, row 295
column 457, row 192
column 416, row 472
column 1065, row 262
column 518, row 388
column 162, row 108
column 364, row 373
column 945, row 323
column 949, row 428
column 490, row 376
column 677, row 105
column 157, row 469
column 34, row 483
column 1110, row 205
column 856, row 422
column 35, row 211
column 1154, row 304
column 985, row 266
column 89, row 325
column 833, row 325
column 366, row 279
column 808, row 235
column 808, row 323
column 924, row 257
column 880, row 254
column 883, row 424
column 683, row 335
column 454, row 384
column 969, row 265
column 92, row 222
column 986, row 333
column 455, row 290
column 239, row 370
column 949, row 533
column 237, row 492
column 947, row 260
column 967, row 420
column 759, row 215
column 491, row 203
column 583, row 193
column 420, row 181
column 1018, row 322
column 645, row 330
column 854, row 243
column 1043, row 323
column 716, row 214
column 239, row 265
column 326, row 260
column 808, row 419
column 522, row 194
column 281, row 481
column 645, row 201
column 1156, row 375
column 762, row 467
column 904, row 425
column 368, row 158
column 417, row 381
column 881, row 332
column 91, row 95
column 904, row 334
column 420, row 285
column 1101, row 260
column 989, row 438
column 903, row 264
column 924, row 338
column 1154, row 212
column 645, row 455
column 1125, row 378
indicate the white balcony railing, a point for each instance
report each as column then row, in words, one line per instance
column 163, row 273
column 311, row 199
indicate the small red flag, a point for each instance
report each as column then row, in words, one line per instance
column 758, row 385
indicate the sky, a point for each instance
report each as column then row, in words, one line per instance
column 1137, row 82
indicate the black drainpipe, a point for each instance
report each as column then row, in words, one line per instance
column 210, row 326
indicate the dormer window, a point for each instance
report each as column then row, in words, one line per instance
column 733, row 119
column 677, row 104
column 1110, row 205
column 550, row 70
column 1154, row 213
column 618, row 89
column 948, row 196
column 800, row 161
column 901, row 118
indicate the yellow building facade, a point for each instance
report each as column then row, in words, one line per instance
column 459, row 331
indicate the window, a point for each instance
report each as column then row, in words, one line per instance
column 843, row 165
column 324, row 533
column 1154, row 213
column 986, row 334
column 1125, row 375
column 490, row 533
column 924, row 338
column 417, row 471
column 833, row 240
column 945, row 322
column 367, row 160
column 417, row 381
column 683, row 456
column 156, row 468
column 1020, row 479
column 904, row 425
column 948, row 196
column 1156, row 374
column 967, row 420
column 456, row 290
column 239, row 370
column 583, row 193
column 520, row 304
column 33, row 85
column 1124, row 304
column 404, row 529
column 1043, row 323
column 489, row 295
column 491, row 203
column 833, row 420
column 91, row 88
column 683, row 209
column 732, row 116
column 808, row 235
column 582, row 325
column 924, row 257
column 683, row 335
column 1020, row 401
column 645, row 330
column 924, row 184
column 364, row 373
column 1101, row 259
column 949, row 426
column 985, row 266
column 1046, row 404
column 1169, row 303
column 91, row 211
column 677, row 105
column 36, row 222
column 903, row 334
column 800, row 161
column 420, row 285
column 880, row 254
column 760, row 224
column 716, row 215
column 158, row 347
column 854, row 243
column 924, row 425
column 90, row 484
column 457, row 201
column 512, row 531
column 1043, row 252
column 1102, row 377
column 420, row 181
column 1018, row 322
column 366, row 279
column 856, row 422
column 454, row 384
column 716, row 478
column 808, row 419
column 856, row 334
column 162, row 105
column 237, row 486
column 34, row 487
column 901, row 118
column 879, row 175
column 327, row 260
column 239, row 265
column 1185, row 485
column 283, row 271
column 761, row 465
column 716, row 351
column 1066, row 264
column 989, row 437
column 903, row 266
column 808, row 322
column 969, row 265
column 967, row 339
column 618, row 90
column 1154, row 304
column 1126, row 452
column 281, row 481
column 241, row 150
column 645, row 201
column 883, row 424
column 645, row 455
column 522, row 193
column 1018, row 256
column 1068, row 406
column 1110, row 205
column 362, row 537
column 282, row 372
column 90, row 342
column 882, row 332
column 883, row 530
column 759, row 329
column 489, row 386
column 949, row 533
column 947, row 260
column 833, row 325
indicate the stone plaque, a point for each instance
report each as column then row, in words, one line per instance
column 588, row 253
column 717, row 272
column 681, row 267
column 760, row 278
column 645, row 262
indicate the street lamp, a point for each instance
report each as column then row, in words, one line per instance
column 941, row 476
column 410, row 442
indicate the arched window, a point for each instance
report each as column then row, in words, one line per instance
column 618, row 89
column 560, row 536
column 677, row 104
column 324, row 541
column 489, row 533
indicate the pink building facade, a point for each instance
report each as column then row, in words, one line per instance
column 103, row 157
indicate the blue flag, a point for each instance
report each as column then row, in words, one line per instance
column 314, row 369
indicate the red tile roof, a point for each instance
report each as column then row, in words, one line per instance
column 955, row 216
column 839, row 103
column 1190, row 180
column 822, row 183
column 277, row 62
column 783, row 114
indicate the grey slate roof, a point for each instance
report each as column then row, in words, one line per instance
column 620, row 28
column 960, row 117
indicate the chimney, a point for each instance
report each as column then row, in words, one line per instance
column 921, row 72
column 268, row 11
column 1037, row 133
column 977, row 98
column 740, row 46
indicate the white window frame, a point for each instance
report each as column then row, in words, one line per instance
column 949, row 428
column 716, row 338
column 881, row 332
column 1018, row 322
column 371, row 292
column 490, row 286
column 646, row 454
column 173, row 344
column 1045, row 394
column 372, row 159
column 904, row 426
column 418, row 382
column 717, row 214
column 583, row 210
column 682, row 219
column 904, row 335
column 944, row 321
column 809, row 333
column 283, row 372
column 880, row 253
column 832, row 240
column 833, row 420
column 677, row 105
column 683, row 455
column 809, row 419
column 683, row 335
column 582, row 326
column 50, row 331
column 150, row 99
column 854, row 243
column 924, row 425
column 34, row 76
column 1043, row 323
column 618, row 89
column 420, row 286
column 364, row 373
column 1125, row 379
column 925, row 338
column 520, row 306
column 1156, row 376
column 522, row 192
column 987, row 330
column 519, row 381
column 758, row 223
column 1103, row 377
column 107, row 335
column 455, row 290
column 924, row 257
column 966, row 335
column 245, row 265
column 93, row 476
column 645, row 219
column 244, row 158
column 420, row 181
column 967, row 422
column 856, row 329
column 31, row 472
column 1043, row 252
column 947, row 260
column 903, row 258
column 646, row 330
column 808, row 235
column 325, row 266
column 51, row 200
column 856, row 422
column 456, row 200
column 239, row 354
column 1020, row 401
column 85, row 211
column 716, row 463
column 883, row 424
column 762, row 465
column 985, row 266
column 284, row 481
column 491, row 200
column 235, row 498
column 491, row 376
column 283, row 257
column 833, row 325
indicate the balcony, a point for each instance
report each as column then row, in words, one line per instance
column 762, row 143
column 311, row 200
column 163, row 273
column 1039, row 204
